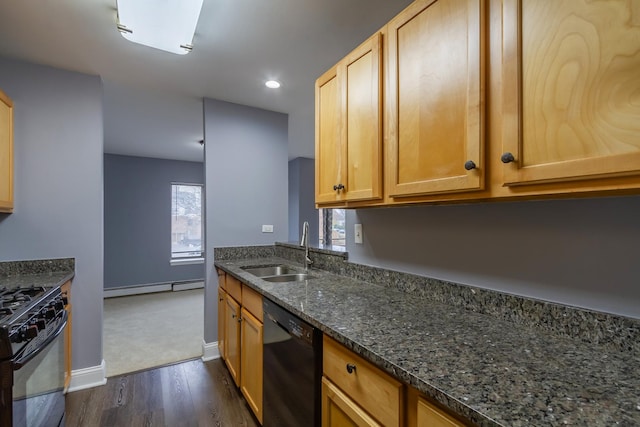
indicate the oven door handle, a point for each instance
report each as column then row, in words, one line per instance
column 25, row 358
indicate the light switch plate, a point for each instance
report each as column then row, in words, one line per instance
column 267, row 228
column 357, row 233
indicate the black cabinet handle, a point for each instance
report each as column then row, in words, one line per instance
column 351, row 368
column 507, row 158
column 338, row 187
column 469, row 164
column 335, row 188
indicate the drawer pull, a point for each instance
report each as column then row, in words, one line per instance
column 351, row 368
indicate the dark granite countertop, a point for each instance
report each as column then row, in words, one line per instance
column 47, row 273
column 487, row 370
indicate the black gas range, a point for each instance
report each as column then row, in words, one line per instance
column 32, row 319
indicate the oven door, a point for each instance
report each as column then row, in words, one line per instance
column 38, row 382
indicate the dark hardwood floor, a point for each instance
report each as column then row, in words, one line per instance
column 192, row 393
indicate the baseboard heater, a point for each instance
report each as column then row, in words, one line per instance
column 152, row 288
column 185, row 286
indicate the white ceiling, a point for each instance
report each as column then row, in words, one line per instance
column 153, row 99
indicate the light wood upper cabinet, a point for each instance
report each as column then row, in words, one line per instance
column 571, row 81
column 434, row 94
column 329, row 158
column 6, row 153
column 348, row 154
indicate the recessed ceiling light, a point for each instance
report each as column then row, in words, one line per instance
column 167, row 25
column 272, row 84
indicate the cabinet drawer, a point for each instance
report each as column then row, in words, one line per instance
column 234, row 288
column 252, row 301
column 376, row 392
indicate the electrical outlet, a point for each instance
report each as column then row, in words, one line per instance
column 357, row 233
column 267, row 228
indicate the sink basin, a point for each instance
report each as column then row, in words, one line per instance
column 298, row 277
column 271, row 270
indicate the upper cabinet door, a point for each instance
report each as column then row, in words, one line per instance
column 329, row 149
column 349, row 127
column 362, row 104
column 571, row 89
column 435, row 106
column 6, row 153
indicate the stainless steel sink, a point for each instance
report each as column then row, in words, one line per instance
column 270, row 270
column 297, row 277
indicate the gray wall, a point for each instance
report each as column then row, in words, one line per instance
column 302, row 199
column 58, row 186
column 246, row 171
column 137, row 220
column 581, row 252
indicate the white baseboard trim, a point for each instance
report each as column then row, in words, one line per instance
column 90, row 377
column 135, row 290
column 186, row 286
column 210, row 351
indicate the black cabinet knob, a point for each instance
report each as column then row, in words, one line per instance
column 507, row 158
column 469, row 164
column 351, row 368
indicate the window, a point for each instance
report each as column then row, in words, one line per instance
column 332, row 227
column 186, row 221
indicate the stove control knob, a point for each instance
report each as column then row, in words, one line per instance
column 49, row 313
column 59, row 305
column 31, row 331
column 40, row 324
column 17, row 336
column 65, row 300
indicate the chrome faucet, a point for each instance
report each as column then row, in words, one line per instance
column 305, row 242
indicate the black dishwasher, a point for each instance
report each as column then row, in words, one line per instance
column 292, row 373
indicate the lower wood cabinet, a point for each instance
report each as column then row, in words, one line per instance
column 365, row 390
column 240, row 336
column 222, row 302
column 356, row 393
column 251, row 362
column 232, row 338
column 66, row 292
column 339, row 410
column 423, row 413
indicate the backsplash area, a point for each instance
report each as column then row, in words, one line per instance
column 609, row 330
